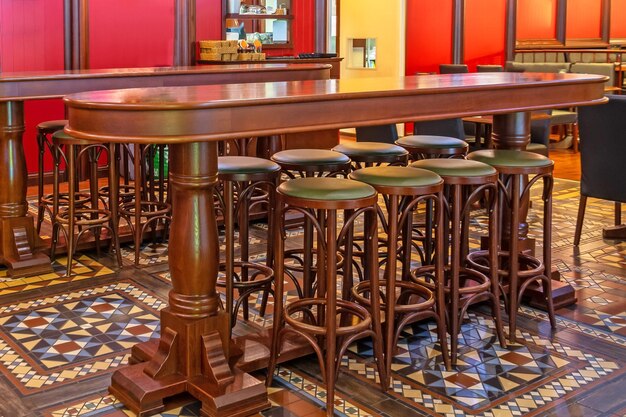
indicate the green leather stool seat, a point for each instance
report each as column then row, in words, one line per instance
column 245, row 165
column 326, row 189
column 510, row 158
column 370, row 149
column 455, row 167
column 392, row 176
column 309, row 157
column 52, row 125
column 63, row 138
column 433, row 142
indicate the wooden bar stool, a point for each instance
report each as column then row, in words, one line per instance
column 465, row 182
column 367, row 154
column 404, row 301
column 432, row 146
column 149, row 204
column 248, row 175
column 301, row 163
column 44, row 141
column 329, row 325
column 514, row 168
column 92, row 216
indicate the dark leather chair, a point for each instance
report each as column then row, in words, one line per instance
column 383, row 133
column 489, row 68
column 602, row 150
column 444, row 127
column 540, row 136
column 453, row 69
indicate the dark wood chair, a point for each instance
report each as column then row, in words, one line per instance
column 602, row 150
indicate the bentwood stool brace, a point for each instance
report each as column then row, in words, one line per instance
column 328, row 324
column 92, row 216
column 518, row 272
column 466, row 182
column 405, row 301
column 248, row 175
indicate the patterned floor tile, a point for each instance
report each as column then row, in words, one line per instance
column 83, row 268
column 48, row 341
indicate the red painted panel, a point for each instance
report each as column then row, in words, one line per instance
column 536, row 19
column 618, row 20
column 485, row 32
column 428, row 35
column 31, row 39
column 584, row 19
column 208, row 19
column 127, row 34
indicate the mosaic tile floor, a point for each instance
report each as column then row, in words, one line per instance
column 61, row 338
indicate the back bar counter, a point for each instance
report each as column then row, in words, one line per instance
column 194, row 352
column 20, row 248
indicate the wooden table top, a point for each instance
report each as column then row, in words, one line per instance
column 217, row 112
column 51, row 84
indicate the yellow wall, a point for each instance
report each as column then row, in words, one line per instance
column 380, row 19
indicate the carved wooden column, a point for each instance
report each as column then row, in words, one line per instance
column 18, row 240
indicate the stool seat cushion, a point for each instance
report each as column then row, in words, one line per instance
column 310, row 157
column 431, row 141
column 455, row 167
column 510, row 158
column 245, row 165
column 63, row 138
column 52, row 125
column 370, row 149
column 396, row 176
column 326, row 189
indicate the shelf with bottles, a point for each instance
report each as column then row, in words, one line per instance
column 265, row 20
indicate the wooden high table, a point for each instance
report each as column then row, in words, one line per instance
column 20, row 247
column 194, row 352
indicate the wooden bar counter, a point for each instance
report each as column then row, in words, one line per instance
column 20, row 248
column 194, row 353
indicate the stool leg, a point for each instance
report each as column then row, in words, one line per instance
column 455, row 325
column 71, row 169
column 279, row 279
column 229, row 230
column 244, row 221
column 371, row 245
column 331, row 307
column 513, row 255
column 492, row 207
column 114, row 191
column 56, row 155
column 582, row 205
column 271, row 225
column 547, row 247
column 92, row 153
column 138, row 197
column 390, row 276
column 40, row 209
column 440, row 303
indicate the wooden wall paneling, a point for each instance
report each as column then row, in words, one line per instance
column 458, row 31
column 539, row 23
column 617, row 25
column 587, row 23
column 184, row 32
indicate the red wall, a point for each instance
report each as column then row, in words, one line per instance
column 584, row 19
column 536, row 19
column 31, row 39
column 484, row 46
column 428, row 35
column 618, row 19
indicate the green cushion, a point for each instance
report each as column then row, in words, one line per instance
column 326, row 189
column 429, row 141
column 369, row 149
column 510, row 158
column 245, row 165
column 455, row 167
column 310, row 157
column 396, row 176
column 52, row 125
column 60, row 134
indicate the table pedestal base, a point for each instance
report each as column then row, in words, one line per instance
column 18, row 240
column 188, row 345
